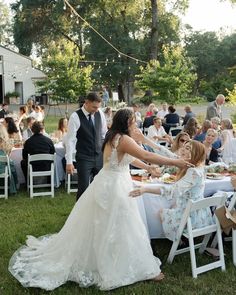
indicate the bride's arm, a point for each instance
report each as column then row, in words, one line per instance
column 129, row 146
column 141, row 190
column 152, row 169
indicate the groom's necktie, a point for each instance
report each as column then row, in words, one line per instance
column 90, row 121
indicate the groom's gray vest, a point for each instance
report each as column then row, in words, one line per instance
column 89, row 139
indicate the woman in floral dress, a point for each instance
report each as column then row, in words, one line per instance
column 189, row 186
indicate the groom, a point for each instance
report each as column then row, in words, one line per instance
column 86, row 130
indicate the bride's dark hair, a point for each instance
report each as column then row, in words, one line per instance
column 120, row 124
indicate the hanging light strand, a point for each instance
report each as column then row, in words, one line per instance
column 109, row 43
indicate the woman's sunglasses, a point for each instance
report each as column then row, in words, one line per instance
column 183, row 140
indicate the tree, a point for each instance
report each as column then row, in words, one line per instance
column 212, row 58
column 5, row 28
column 172, row 80
column 66, row 79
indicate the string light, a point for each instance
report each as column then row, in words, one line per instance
column 109, row 43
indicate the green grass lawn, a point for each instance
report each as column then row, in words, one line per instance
column 21, row 216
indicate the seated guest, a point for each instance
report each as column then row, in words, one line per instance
column 192, row 127
column 188, row 114
column 227, row 134
column 108, row 116
column 5, row 149
column 211, row 152
column 37, row 114
column 28, row 132
column 157, row 133
column 4, row 111
column 215, row 122
column 148, row 121
column 171, row 119
column 13, row 132
column 163, row 112
column 189, row 186
column 149, row 111
column 205, row 126
column 179, row 141
column 37, row 144
column 62, row 129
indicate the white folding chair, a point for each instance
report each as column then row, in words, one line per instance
column 4, row 160
column 70, row 181
column 191, row 233
column 39, row 174
column 214, row 242
column 231, row 207
column 175, row 130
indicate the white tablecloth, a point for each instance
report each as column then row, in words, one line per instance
column 152, row 204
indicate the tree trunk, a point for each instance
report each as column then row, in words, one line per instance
column 154, row 32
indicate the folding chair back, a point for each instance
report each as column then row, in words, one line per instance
column 174, row 131
column 205, row 231
column 40, row 174
column 4, row 160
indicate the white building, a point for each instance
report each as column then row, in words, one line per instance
column 17, row 75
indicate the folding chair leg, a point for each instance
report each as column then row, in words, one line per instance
column 220, row 246
column 52, row 185
column 204, row 243
column 214, row 242
column 6, row 187
column 234, row 245
column 192, row 252
column 31, row 186
column 173, row 251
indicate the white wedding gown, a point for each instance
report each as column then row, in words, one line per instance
column 103, row 242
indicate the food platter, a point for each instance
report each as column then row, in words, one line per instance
column 214, row 176
column 167, row 178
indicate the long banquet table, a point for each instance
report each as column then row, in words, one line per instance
column 149, row 210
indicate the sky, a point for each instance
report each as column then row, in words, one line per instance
column 210, row 15
column 206, row 15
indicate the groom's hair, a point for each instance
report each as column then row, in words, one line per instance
column 93, row 96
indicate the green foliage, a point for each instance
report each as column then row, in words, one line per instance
column 213, row 59
column 232, row 95
column 172, row 80
column 66, row 80
column 12, row 94
column 5, row 28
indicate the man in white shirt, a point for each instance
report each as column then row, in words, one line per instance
column 157, row 133
column 164, row 111
column 86, row 129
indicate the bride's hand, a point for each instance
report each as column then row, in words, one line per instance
column 183, row 164
column 154, row 171
column 137, row 192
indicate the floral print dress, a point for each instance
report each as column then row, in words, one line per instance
column 189, row 187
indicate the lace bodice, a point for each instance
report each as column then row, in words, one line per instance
column 114, row 163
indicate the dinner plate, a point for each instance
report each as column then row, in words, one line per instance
column 138, row 172
column 214, row 176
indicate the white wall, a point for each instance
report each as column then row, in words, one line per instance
column 18, row 68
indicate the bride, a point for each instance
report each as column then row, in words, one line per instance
column 104, row 241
